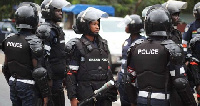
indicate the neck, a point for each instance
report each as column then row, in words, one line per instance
column 91, row 38
column 134, row 36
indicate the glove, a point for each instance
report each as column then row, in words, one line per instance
column 198, row 92
column 112, row 94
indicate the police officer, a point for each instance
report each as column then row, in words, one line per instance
column 174, row 8
column 157, row 63
column 191, row 47
column 54, row 43
column 88, row 61
column 134, row 26
column 23, row 54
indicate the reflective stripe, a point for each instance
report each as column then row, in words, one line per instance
column 72, row 67
column 172, row 73
column 133, row 73
column 184, row 42
column 82, row 58
column 153, row 95
column 24, row 81
column 122, row 70
column 123, row 61
column 46, row 47
column 182, row 70
column 185, row 49
column 62, row 41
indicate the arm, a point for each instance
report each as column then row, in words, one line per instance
column 72, row 59
column 5, row 70
column 185, row 41
column 178, row 77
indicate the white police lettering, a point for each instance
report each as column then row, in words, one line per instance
column 94, row 59
column 104, row 59
column 145, row 51
column 14, row 44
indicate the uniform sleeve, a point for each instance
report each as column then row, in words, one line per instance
column 51, row 39
column 73, row 62
column 186, row 38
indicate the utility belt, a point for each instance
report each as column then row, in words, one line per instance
column 145, row 94
column 23, row 80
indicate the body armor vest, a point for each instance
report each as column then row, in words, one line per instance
column 151, row 59
column 19, row 58
column 57, row 54
column 94, row 61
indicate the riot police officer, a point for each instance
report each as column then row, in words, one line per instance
column 23, row 54
column 54, row 43
column 157, row 62
column 134, row 26
column 87, row 59
column 191, row 47
column 174, row 8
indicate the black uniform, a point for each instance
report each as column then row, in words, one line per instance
column 88, row 69
column 157, row 63
column 23, row 55
column 54, row 44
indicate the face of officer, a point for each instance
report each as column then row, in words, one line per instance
column 175, row 18
column 127, row 29
column 94, row 26
column 58, row 15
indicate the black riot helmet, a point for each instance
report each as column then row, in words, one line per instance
column 134, row 23
column 48, row 8
column 196, row 10
column 26, row 16
column 158, row 21
column 85, row 17
column 174, row 6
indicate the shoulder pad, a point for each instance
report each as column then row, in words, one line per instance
column 137, row 42
column 104, row 41
column 35, row 44
column 169, row 41
column 187, row 27
column 43, row 31
column 173, row 48
column 11, row 34
column 8, row 36
column 71, row 44
column 194, row 40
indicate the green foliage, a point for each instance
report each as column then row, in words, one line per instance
column 122, row 7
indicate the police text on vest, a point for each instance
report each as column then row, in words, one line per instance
column 14, row 44
column 147, row 51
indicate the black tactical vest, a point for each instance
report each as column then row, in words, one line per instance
column 19, row 58
column 150, row 60
column 57, row 54
column 94, row 61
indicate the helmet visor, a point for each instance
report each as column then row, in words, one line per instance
column 59, row 4
column 175, row 4
column 127, row 20
column 92, row 14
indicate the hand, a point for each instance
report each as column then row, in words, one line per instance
column 198, row 92
column 74, row 102
column 186, row 63
column 45, row 101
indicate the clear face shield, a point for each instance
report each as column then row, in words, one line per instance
column 175, row 4
column 92, row 14
column 127, row 20
column 59, row 4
